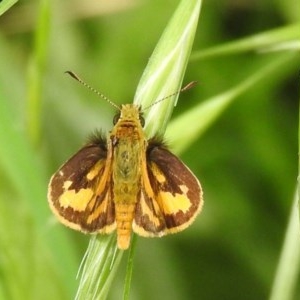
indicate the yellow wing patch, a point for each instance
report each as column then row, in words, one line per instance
column 172, row 204
column 76, row 200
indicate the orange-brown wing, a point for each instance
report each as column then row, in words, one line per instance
column 80, row 192
column 170, row 197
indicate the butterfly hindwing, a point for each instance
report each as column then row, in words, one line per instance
column 80, row 191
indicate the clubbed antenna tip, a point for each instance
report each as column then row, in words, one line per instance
column 189, row 86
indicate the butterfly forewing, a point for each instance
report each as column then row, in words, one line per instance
column 80, row 191
column 171, row 195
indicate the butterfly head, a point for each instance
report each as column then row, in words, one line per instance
column 130, row 113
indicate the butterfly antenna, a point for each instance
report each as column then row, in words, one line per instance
column 185, row 88
column 73, row 75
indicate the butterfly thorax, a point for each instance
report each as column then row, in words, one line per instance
column 128, row 145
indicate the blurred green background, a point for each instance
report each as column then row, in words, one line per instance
column 246, row 160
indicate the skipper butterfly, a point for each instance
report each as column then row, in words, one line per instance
column 125, row 183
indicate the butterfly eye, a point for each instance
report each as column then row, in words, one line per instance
column 142, row 121
column 116, row 118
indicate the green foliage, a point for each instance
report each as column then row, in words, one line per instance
column 6, row 5
column 245, row 109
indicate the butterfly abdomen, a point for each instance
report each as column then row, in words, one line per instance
column 124, row 218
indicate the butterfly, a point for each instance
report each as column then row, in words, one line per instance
column 125, row 182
